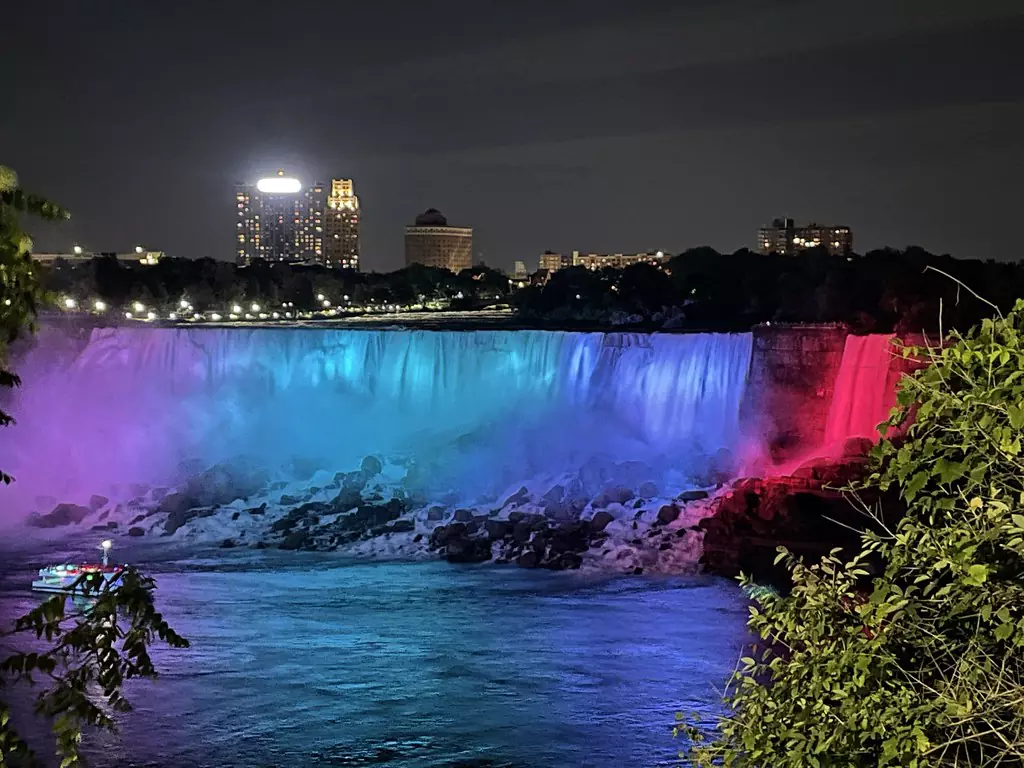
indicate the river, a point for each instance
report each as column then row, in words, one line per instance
column 305, row 660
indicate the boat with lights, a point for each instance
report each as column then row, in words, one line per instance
column 63, row 577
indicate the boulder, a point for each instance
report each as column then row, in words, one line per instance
column 105, row 514
column 522, row 531
column 497, row 529
column 463, row 516
column 260, row 510
column 668, row 513
column 648, row 490
column 464, row 550
column 371, row 466
column 228, row 544
column 858, row 446
column 179, row 518
column 441, row 535
column 136, row 531
column 97, row 502
column 600, row 521
column 349, row 497
column 62, row 514
column 694, row 495
column 528, row 559
column 137, row 519
column 402, row 526
column 613, row 495
column 45, row 502
column 138, row 489
column 436, row 513
column 519, row 497
column 555, row 494
column 158, row 493
column 235, row 515
column 295, row 540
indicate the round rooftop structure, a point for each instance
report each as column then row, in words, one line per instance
column 431, row 218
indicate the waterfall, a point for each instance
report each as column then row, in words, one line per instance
column 862, row 398
column 476, row 406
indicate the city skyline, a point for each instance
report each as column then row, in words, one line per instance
column 666, row 123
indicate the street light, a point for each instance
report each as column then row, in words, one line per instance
column 255, row 307
column 105, row 545
column 70, row 303
column 139, row 307
column 78, row 250
column 139, row 249
column 236, row 309
column 99, row 306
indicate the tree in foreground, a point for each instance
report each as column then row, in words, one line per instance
column 911, row 652
column 90, row 654
column 85, row 664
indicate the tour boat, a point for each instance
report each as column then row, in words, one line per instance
column 60, row 578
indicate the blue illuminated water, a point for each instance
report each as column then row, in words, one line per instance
column 313, row 663
column 480, row 410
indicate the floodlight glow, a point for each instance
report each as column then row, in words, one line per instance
column 106, row 544
column 255, row 307
column 139, row 249
column 215, row 317
column 99, row 306
column 235, row 309
column 70, row 303
column 138, row 306
column 279, row 185
column 172, row 316
column 183, row 304
column 151, row 316
column 78, row 250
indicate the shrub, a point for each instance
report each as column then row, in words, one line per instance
column 921, row 665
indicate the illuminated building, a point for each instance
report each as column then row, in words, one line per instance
column 553, row 262
column 430, row 241
column 341, row 226
column 784, row 237
column 140, row 256
column 520, row 273
column 280, row 220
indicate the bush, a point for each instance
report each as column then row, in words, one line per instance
column 921, row 665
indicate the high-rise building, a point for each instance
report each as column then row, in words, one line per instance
column 520, row 273
column 430, row 241
column 784, row 237
column 341, row 230
column 279, row 220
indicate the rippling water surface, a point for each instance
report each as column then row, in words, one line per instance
column 305, row 661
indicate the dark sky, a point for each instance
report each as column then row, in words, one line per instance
column 600, row 125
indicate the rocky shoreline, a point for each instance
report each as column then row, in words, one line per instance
column 371, row 513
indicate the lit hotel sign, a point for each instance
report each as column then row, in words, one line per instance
column 279, row 185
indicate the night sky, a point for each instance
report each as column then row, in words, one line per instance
column 599, row 125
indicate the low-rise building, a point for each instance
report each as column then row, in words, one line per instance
column 552, row 262
column 140, row 255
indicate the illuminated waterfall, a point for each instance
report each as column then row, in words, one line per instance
column 862, row 397
column 476, row 406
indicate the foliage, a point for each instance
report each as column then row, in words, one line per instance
column 881, row 291
column 922, row 665
column 88, row 663
column 20, row 289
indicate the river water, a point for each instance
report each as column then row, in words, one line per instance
column 309, row 661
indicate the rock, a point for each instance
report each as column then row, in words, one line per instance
column 257, row 511
column 668, row 514
column 97, row 502
column 468, row 551
column 278, row 486
column 304, row 468
column 235, row 515
column 137, row 519
column 638, row 504
column 463, row 516
column 516, row 516
column 260, row 545
column 417, row 538
column 613, row 495
column 497, row 529
column 371, row 466
column 177, row 519
column 294, row 541
column 436, row 513
column 519, row 497
column 695, row 495
column 441, row 535
column 138, row 489
column 349, row 497
column 158, row 493
column 638, row 571
column 528, row 559
column 176, row 502
column 46, row 502
column 555, row 495
column 98, row 528
column 228, row 544
column 569, row 561
column 858, row 446
column 62, row 514
column 402, row 526
column 648, row 490
column 522, row 531
column 600, row 521
column 105, row 514
column 136, row 531
column 223, row 483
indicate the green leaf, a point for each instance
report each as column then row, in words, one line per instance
column 976, row 575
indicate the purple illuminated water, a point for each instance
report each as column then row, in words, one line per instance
column 307, row 662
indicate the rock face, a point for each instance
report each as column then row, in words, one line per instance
column 756, row 516
column 62, row 514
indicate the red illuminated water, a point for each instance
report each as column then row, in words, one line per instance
column 862, row 397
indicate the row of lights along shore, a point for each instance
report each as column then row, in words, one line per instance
column 255, row 311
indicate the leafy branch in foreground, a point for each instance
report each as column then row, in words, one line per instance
column 88, row 663
column 20, row 289
column 922, row 665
